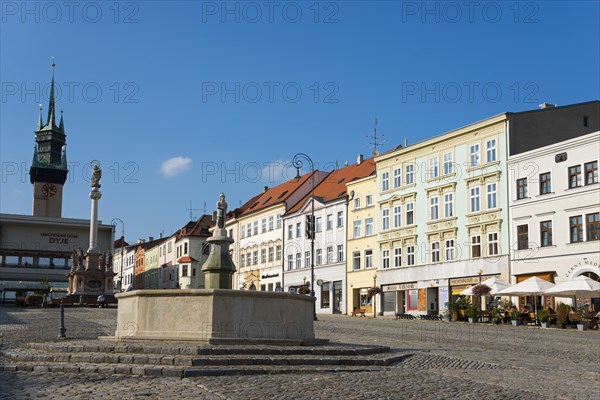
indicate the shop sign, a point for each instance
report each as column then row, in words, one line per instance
column 465, row 281
column 398, row 287
column 266, row 276
column 582, row 263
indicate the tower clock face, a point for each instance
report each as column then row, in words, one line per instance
column 49, row 190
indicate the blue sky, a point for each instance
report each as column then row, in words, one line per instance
column 182, row 100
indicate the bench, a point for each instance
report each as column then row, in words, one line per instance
column 405, row 316
column 360, row 311
column 431, row 317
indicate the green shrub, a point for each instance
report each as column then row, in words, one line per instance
column 544, row 315
column 471, row 311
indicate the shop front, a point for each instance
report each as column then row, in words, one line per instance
column 400, row 298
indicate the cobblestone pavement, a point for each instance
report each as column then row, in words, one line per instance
column 453, row 360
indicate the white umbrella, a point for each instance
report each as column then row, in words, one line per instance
column 529, row 287
column 580, row 287
column 493, row 283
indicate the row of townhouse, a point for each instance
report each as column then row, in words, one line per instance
column 424, row 222
column 164, row 263
column 512, row 196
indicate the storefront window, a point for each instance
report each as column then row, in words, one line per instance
column 413, row 299
column 325, row 295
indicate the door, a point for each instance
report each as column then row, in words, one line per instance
column 337, row 297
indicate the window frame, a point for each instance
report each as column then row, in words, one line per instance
column 523, row 237
column 545, row 183
column 577, row 225
column 546, row 239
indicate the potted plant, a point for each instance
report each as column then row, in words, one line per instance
column 304, row 289
column 584, row 318
column 562, row 315
column 516, row 317
column 372, row 291
column 544, row 316
column 481, row 290
column 461, row 305
column 448, row 311
column 497, row 316
column 471, row 312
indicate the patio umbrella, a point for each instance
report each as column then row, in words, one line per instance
column 493, row 283
column 580, row 287
column 529, row 287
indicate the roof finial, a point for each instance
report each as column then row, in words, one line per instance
column 51, row 114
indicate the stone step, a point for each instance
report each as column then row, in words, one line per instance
column 187, row 349
column 177, row 372
column 35, row 355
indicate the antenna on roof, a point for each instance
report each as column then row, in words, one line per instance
column 204, row 212
column 376, row 141
column 193, row 209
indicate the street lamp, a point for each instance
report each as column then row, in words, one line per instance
column 479, row 272
column 374, row 294
column 298, row 163
column 114, row 224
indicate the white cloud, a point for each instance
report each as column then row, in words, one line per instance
column 175, row 165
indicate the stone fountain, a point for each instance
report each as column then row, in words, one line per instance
column 216, row 314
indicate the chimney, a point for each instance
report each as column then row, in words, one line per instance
column 140, row 241
column 160, row 235
column 266, row 188
column 547, row 105
column 405, row 142
column 359, row 159
column 150, row 238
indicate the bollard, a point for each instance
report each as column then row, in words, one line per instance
column 62, row 330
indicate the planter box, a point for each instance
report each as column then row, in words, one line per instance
column 544, row 324
column 582, row 327
column 515, row 322
column 471, row 320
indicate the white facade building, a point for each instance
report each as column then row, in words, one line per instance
column 555, row 212
column 331, row 213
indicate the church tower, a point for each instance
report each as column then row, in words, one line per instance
column 48, row 171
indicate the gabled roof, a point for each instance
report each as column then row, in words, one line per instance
column 239, row 211
column 277, row 194
column 334, row 186
column 149, row 244
column 120, row 242
column 199, row 228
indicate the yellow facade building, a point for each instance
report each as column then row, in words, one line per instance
column 362, row 255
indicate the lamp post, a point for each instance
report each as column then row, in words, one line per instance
column 298, row 163
column 479, row 272
column 374, row 294
column 114, row 224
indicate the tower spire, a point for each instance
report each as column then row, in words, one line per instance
column 40, row 123
column 51, row 113
column 61, row 125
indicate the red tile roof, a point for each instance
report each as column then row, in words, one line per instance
column 199, row 228
column 334, row 186
column 277, row 194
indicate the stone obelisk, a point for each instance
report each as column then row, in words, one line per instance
column 97, row 276
column 95, row 195
column 219, row 267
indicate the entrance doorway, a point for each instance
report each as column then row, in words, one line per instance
column 337, row 297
